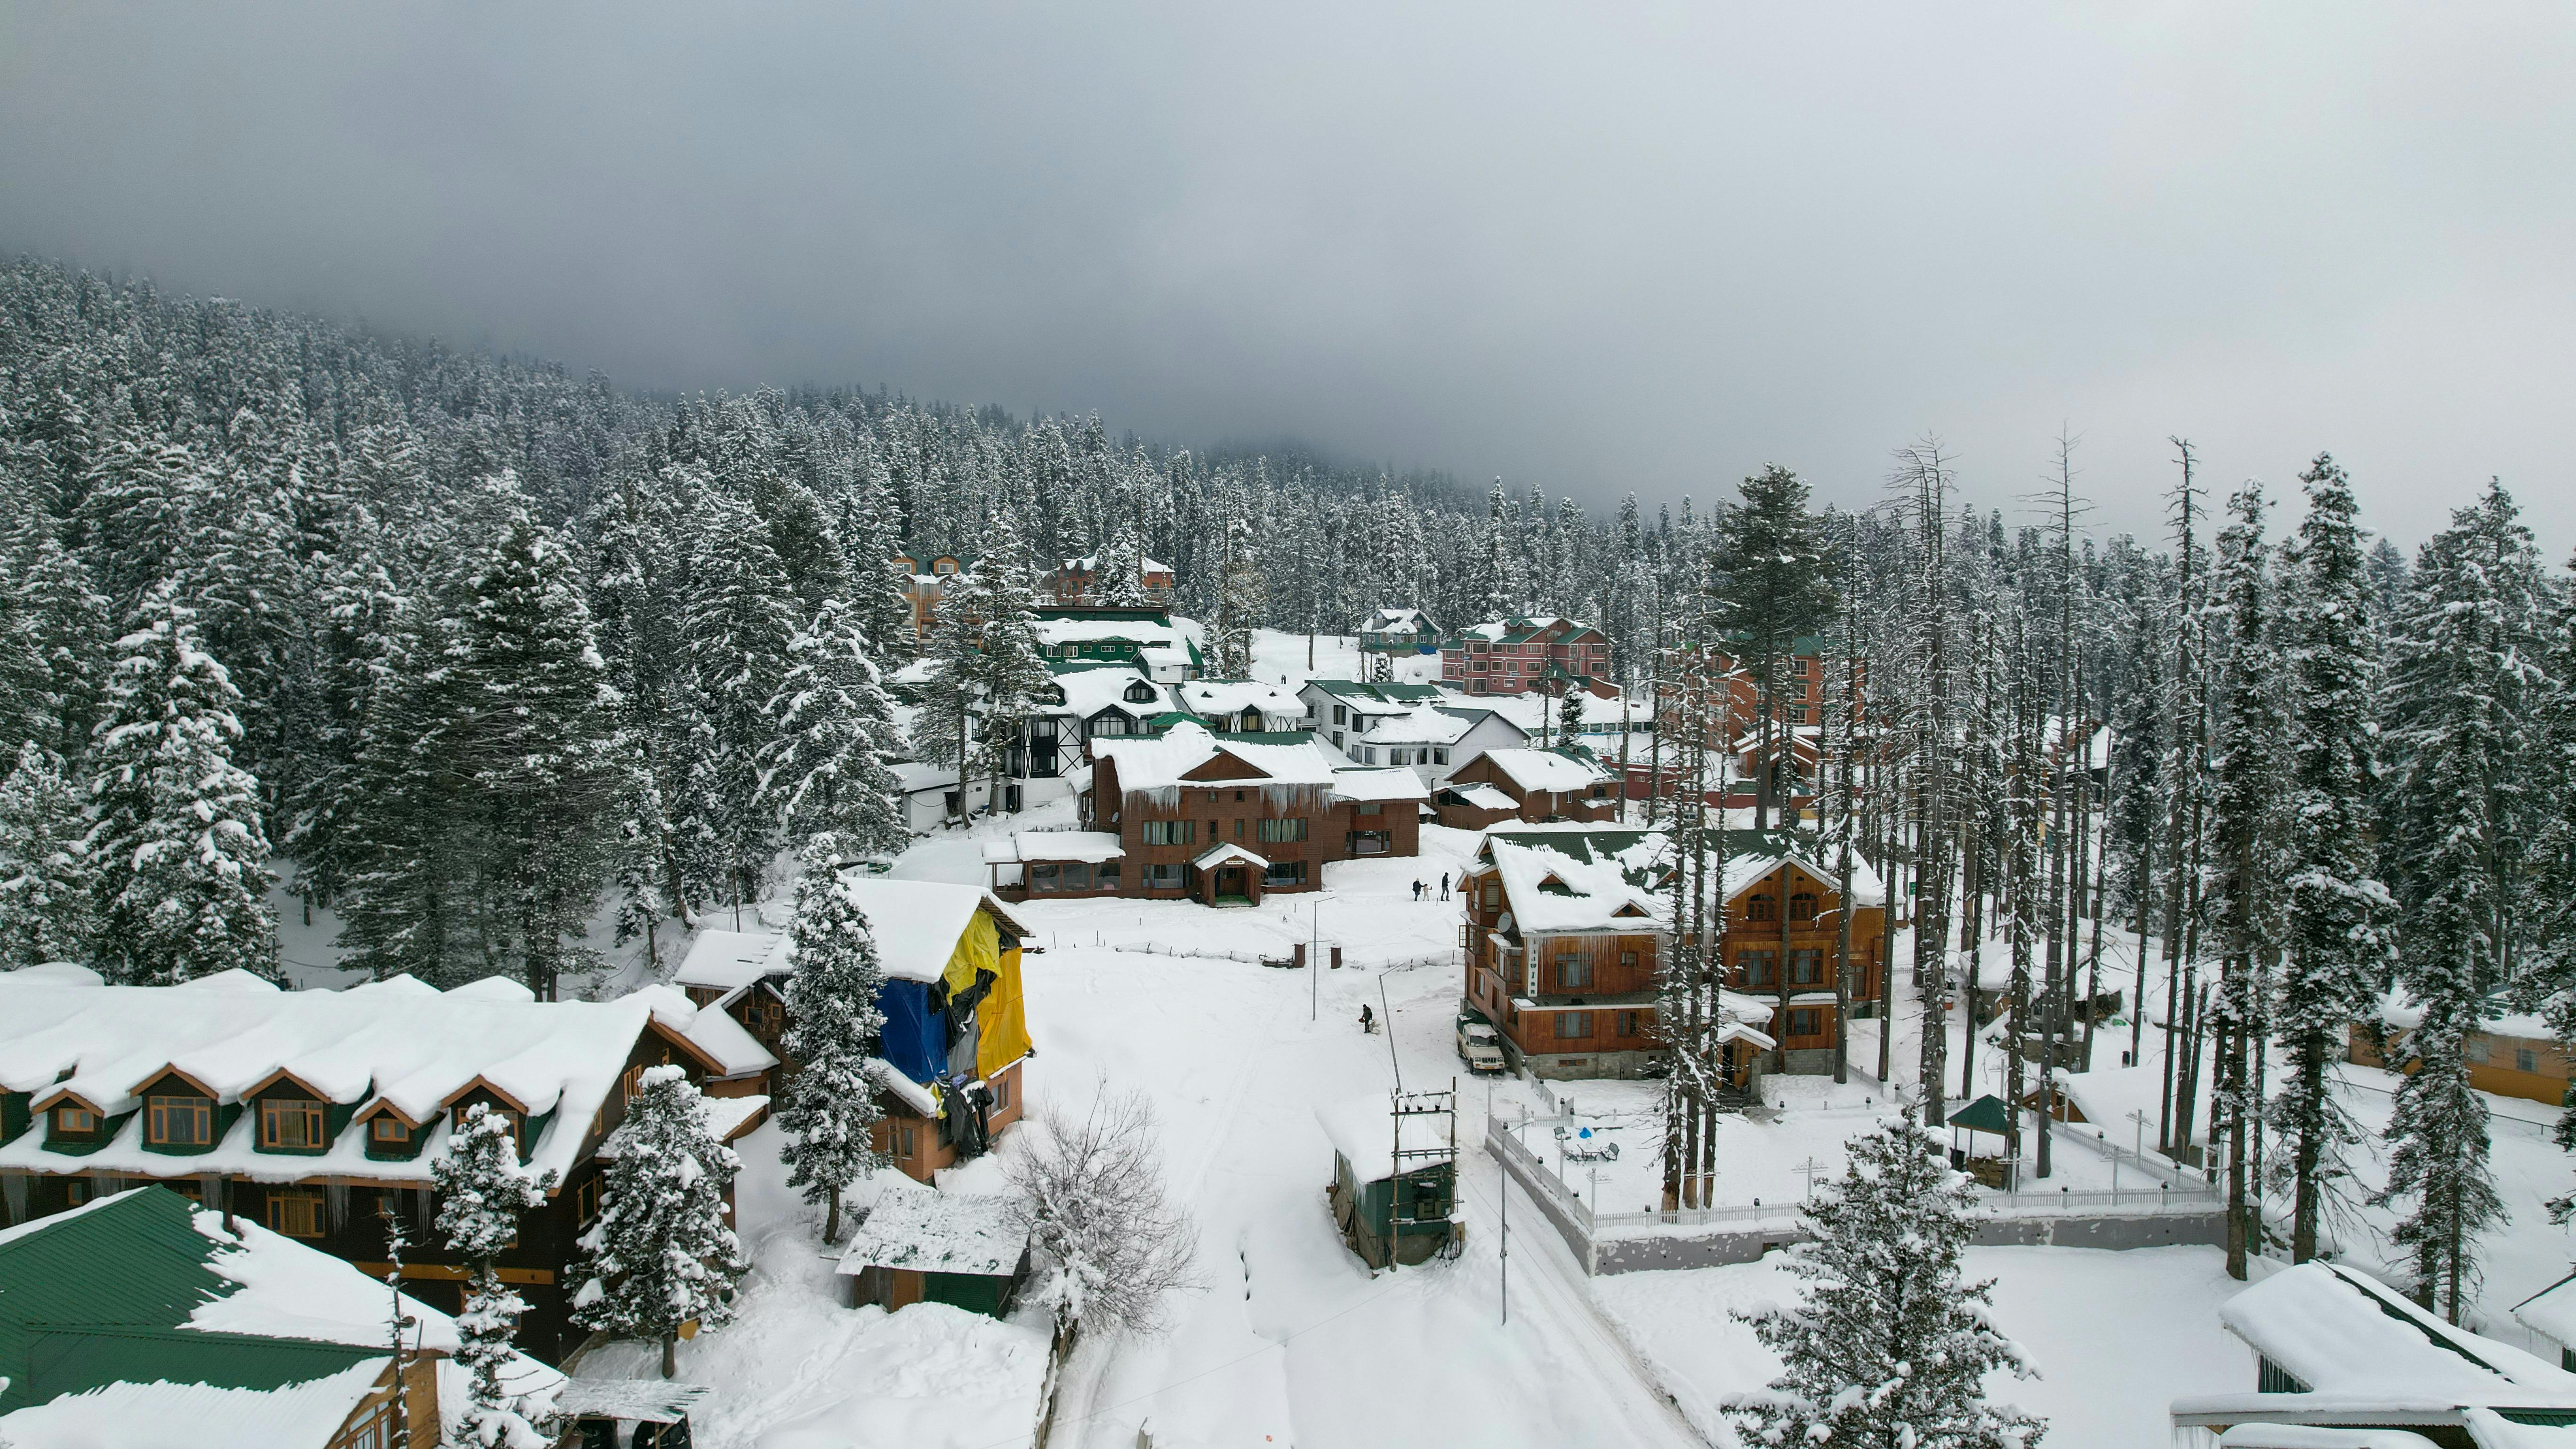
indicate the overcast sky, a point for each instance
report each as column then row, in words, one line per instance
column 1597, row 247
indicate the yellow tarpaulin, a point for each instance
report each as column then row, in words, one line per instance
column 1001, row 1022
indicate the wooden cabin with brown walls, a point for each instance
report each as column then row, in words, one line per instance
column 1787, row 954
column 2512, row 1053
column 1566, row 927
column 1227, row 819
column 1541, row 785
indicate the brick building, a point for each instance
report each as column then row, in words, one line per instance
column 1522, row 655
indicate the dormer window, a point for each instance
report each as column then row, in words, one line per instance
column 1140, row 693
column 389, row 1132
column 75, row 1119
column 291, row 1124
column 944, row 566
column 179, row 1122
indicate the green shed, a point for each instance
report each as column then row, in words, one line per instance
column 1395, row 1175
column 921, row 1245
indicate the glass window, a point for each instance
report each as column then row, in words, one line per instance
column 75, row 1119
column 389, row 1129
column 1573, row 972
column 2525, row 1060
column 1044, row 878
column 295, row 1213
column 1761, row 968
column 1628, row 960
column 1802, row 906
column 1573, row 1025
column 1439, row 755
column 1284, row 873
column 1163, row 877
column 1762, row 908
column 2475, row 1047
column 292, row 1124
column 1806, row 968
column 1804, row 1023
column 180, row 1121
column 1105, row 875
column 1627, row 1023
column 1281, row 830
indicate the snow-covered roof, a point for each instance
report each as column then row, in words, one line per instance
column 917, row 923
column 2499, row 1018
column 1234, row 696
column 1396, row 621
column 1086, row 845
column 1089, row 691
column 632, row 1401
column 911, row 1093
column 1363, row 1130
column 726, row 1117
column 1547, row 770
column 275, row 1288
column 1090, row 564
column 722, row 960
column 915, row 777
column 923, row 1230
column 2357, row 1342
column 2551, row 1312
column 1379, row 785
column 1423, row 724
column 1151, row 633
column 1481, row 796
column 1216, row 855
column 1581, row 880
column 398, row 1042
column 1163, row 762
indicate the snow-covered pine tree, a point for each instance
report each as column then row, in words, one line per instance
column 1241, row 601
column 47, row 909
column 57, row 628
column 828, row 1107
column 739, row 618
column 1891, row 1346
column 2338, row 948
column 661, row 1253
column 943, row 728
column 2244, row 872
column 824, row 769
column 1121, row 579
column 1010, row 671
column 1775, row 589
column 482, row 1193
column 176, row 836
column 493, row 776
column 2458, row 707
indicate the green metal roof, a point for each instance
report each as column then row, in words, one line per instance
column 1383, row 693
column 1986, row 1114
column 97, row 1296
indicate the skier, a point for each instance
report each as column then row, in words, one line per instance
column 1368, row 1020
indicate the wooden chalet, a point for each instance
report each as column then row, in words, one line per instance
column 925, row 574
column 143, row 1319
column 956, row 1024
column 1076, row 583
column 1780, row 938
column 1226, row 818
column 2511, row 1053
column 1517, row 655
column 305, row 1111
column 1566, row 926
column 1530, row 786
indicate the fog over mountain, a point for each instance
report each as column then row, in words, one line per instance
column 1595, row 250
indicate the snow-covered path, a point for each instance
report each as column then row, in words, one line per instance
column 1290, row 1340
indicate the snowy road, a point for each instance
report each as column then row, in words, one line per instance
column 1289, row 1340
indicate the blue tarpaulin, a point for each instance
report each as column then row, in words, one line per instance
column 915, row 1034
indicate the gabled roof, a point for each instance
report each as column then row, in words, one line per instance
column 1234, row 696
column 2358, row 1343
column 1169, row 761
column 1561, row 880
column 1390, row 696
column 918, row 923
column 1216, row 855
column 1379, row 786
column 1557, row 770
column 395, row 1045
column 923, row 1230
column 142, row 1289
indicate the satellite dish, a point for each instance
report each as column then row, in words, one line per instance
column 1503, row 922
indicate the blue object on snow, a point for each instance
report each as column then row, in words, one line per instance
column 915, row 1034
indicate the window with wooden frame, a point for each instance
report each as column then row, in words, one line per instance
column 1802, row 906
column 1806, row 968
column 1573, row 1025
column 768, row 1017
column 179, row 1121
column 1573, row 972
column 295, row 1212
column 372, row 1429
column 1762, row 908
column 1627, row 1023
column 903, row 1139
column 1275, row 831
column 75, row 1119
column 1761, row 968
column 388, row 1130
column 1001, row 1090
column 291, row 1124
column 1627, row 960
column 1804, row 1022
column 585, row 1200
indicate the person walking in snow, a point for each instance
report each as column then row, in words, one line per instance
column 1417, row 892
column 1444, row 885
column 1368, row 1020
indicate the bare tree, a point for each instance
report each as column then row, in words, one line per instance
column 1109, row 1246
